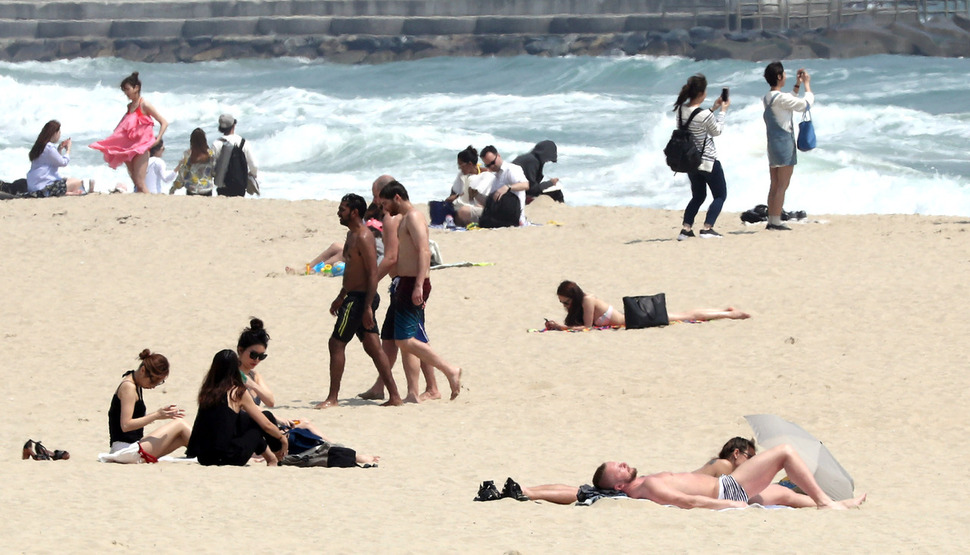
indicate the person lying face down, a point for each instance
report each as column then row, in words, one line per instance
column 689, row 490
column 586, row 311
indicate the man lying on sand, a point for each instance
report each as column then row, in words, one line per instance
column 688, row 490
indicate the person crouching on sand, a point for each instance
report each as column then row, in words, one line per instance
column 127, row 417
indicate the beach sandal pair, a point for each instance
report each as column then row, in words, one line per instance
column 512, row 490
column 35, row 450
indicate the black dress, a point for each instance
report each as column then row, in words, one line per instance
column 221, row 436
column 115, row 432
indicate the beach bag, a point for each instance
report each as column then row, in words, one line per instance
column 439, row 209
column 325, row 454
column 806, row 131
column 681, row 151
column 645, row 311
column 503, row 212
column 236, row 180
column 301, row 439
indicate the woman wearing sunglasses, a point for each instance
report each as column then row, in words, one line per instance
column 127, row 416
column 251, row 349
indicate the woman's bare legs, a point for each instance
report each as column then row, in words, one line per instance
column 166, row 439
column 137, row 170
column 75, row 186
column 780, row 179
column 756, row 474
column 705, row 314
column 777, row 494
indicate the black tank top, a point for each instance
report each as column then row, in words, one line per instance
column 114, row 418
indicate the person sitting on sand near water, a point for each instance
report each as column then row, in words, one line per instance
column 585, row 311
column 127, row 416
column 733, row 454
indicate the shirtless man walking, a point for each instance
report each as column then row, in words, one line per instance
column 388, row 267
column 356, row 302
column 413, row 289
column 688, row 490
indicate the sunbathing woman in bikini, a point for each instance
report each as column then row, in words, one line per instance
column 127, row 417
column 586, row 311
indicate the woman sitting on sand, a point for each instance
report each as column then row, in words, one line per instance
column 197, row 170
column 586, row 311
column 127, row 417
column 46, row 156
column 251, row 349
column 229, row 428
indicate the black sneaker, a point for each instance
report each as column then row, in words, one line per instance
column 684, row 234
column 709, row 234
column 781, row 227
column 513, row 490
column 488, row 492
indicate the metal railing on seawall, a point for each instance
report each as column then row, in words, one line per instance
column 789, row 14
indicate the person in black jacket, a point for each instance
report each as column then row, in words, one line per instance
column 532, row 164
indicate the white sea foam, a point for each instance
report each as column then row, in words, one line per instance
column 891, row 130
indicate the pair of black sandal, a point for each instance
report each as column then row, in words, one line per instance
column 35, row 450
column 512, row 490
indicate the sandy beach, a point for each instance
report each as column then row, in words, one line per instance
column 855, row 335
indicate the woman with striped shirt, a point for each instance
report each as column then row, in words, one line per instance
column 704, row 126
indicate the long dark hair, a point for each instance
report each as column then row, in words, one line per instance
column 574, row 314
column 253, row 335
column 223, row 375
column 199, row 146
column 46, row 134
column 696, row 84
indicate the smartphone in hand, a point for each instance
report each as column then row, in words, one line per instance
column 724, row 94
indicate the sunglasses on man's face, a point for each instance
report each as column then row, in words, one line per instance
column 257, row 356
column 492, row 163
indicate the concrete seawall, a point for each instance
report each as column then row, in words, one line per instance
column 373, row 31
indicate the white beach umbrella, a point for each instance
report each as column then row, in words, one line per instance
column 771, row 431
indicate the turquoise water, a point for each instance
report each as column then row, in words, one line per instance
column 892, row 130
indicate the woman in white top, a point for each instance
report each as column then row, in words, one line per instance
column 470, row 190
column 158, row 173
column 705, row 125
column 779, row 107
column 47, row 155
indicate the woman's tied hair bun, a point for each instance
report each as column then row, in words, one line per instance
column 155, row 365
column 255, row 334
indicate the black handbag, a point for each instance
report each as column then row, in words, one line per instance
column 645, row 311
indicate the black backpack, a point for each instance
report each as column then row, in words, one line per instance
column 681, row 152
column 237, row 172
column 503, row 212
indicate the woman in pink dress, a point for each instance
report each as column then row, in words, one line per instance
column 134, row 135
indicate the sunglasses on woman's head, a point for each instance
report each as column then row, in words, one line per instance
column 257, row 356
